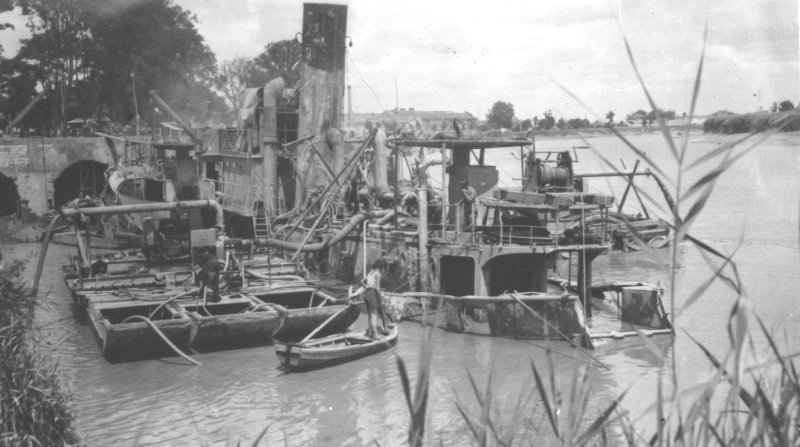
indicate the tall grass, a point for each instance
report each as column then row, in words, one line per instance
column 760, row 404
column 34, row 410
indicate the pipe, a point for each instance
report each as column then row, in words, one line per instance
column 22, row 114
column 379, row 169
column 163, row 337
column 364, row 248
column 334, row 181
column 144, row 207
column 335, row 142
column 422, row 239
column 286, row 245
column 268, row 140
column 389, row 216
column 611, row 174
column 43, row 252
column 161, row 103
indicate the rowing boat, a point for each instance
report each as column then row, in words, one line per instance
column 332, row 350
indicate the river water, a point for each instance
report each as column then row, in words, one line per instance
column 237, row 394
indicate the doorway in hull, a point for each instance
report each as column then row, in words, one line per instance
column 80, row 179
column 9, row 196
column 457, row 275
column 522, row 272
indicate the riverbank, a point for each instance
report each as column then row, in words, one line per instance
column 34, row 408
column 787, row 121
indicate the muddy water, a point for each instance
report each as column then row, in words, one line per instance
column 237, row 394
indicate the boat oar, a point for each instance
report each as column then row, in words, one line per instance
column 321, row 326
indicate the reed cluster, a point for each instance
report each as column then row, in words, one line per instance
column 753, row 122
column 34, row 409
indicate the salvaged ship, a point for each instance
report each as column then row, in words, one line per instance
column 291, row 188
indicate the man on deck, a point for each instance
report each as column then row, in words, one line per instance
column 468, row 203
column 210, row 269
column 373, row 301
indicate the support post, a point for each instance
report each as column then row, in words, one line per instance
column 422, row 237
column 445, row 195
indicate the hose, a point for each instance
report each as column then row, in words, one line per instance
column 163, row 337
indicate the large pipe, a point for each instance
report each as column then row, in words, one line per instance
column 269, row 143
column 355, row 221
column 145, row 207
column 21, row 115
column 335, row 143
column 161, row 103
column 422, row 240
column 380, row 166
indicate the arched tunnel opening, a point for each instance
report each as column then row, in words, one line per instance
column 9, row 196
column 80, row 179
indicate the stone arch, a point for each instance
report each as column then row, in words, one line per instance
column 82, row 178
column 9, row 196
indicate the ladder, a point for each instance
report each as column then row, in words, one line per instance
column 261, row 227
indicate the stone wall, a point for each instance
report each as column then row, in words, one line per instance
column 34, row 163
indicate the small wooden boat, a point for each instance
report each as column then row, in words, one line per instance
column 332, row 350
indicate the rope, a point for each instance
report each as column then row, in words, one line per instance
column 514, row 296
column 163, row 337
column 555, row 176
column 353, row 63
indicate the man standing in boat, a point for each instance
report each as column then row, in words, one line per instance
column 373, row 301
column 210, row 268
column 468, row 203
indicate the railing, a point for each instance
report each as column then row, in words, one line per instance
column 239, row 197
column 559, row 231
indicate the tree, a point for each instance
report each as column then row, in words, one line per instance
column 86, row 54
column 785, row 106
column 282, row 59
column 235, row 75
column 526, row 124
column 547, row 122
column 501, row 115
column 159, row 43
column 5, row 5
column 610, row 116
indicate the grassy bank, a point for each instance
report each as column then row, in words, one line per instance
column 34, row 409
column 753, row 122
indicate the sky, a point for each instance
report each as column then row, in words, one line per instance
column 465, row 55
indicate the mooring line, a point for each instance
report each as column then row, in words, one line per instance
column 513, row 295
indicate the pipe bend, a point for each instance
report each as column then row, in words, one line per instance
column 355, row 221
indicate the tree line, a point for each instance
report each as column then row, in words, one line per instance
column 501, row 116
column 100, row 59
